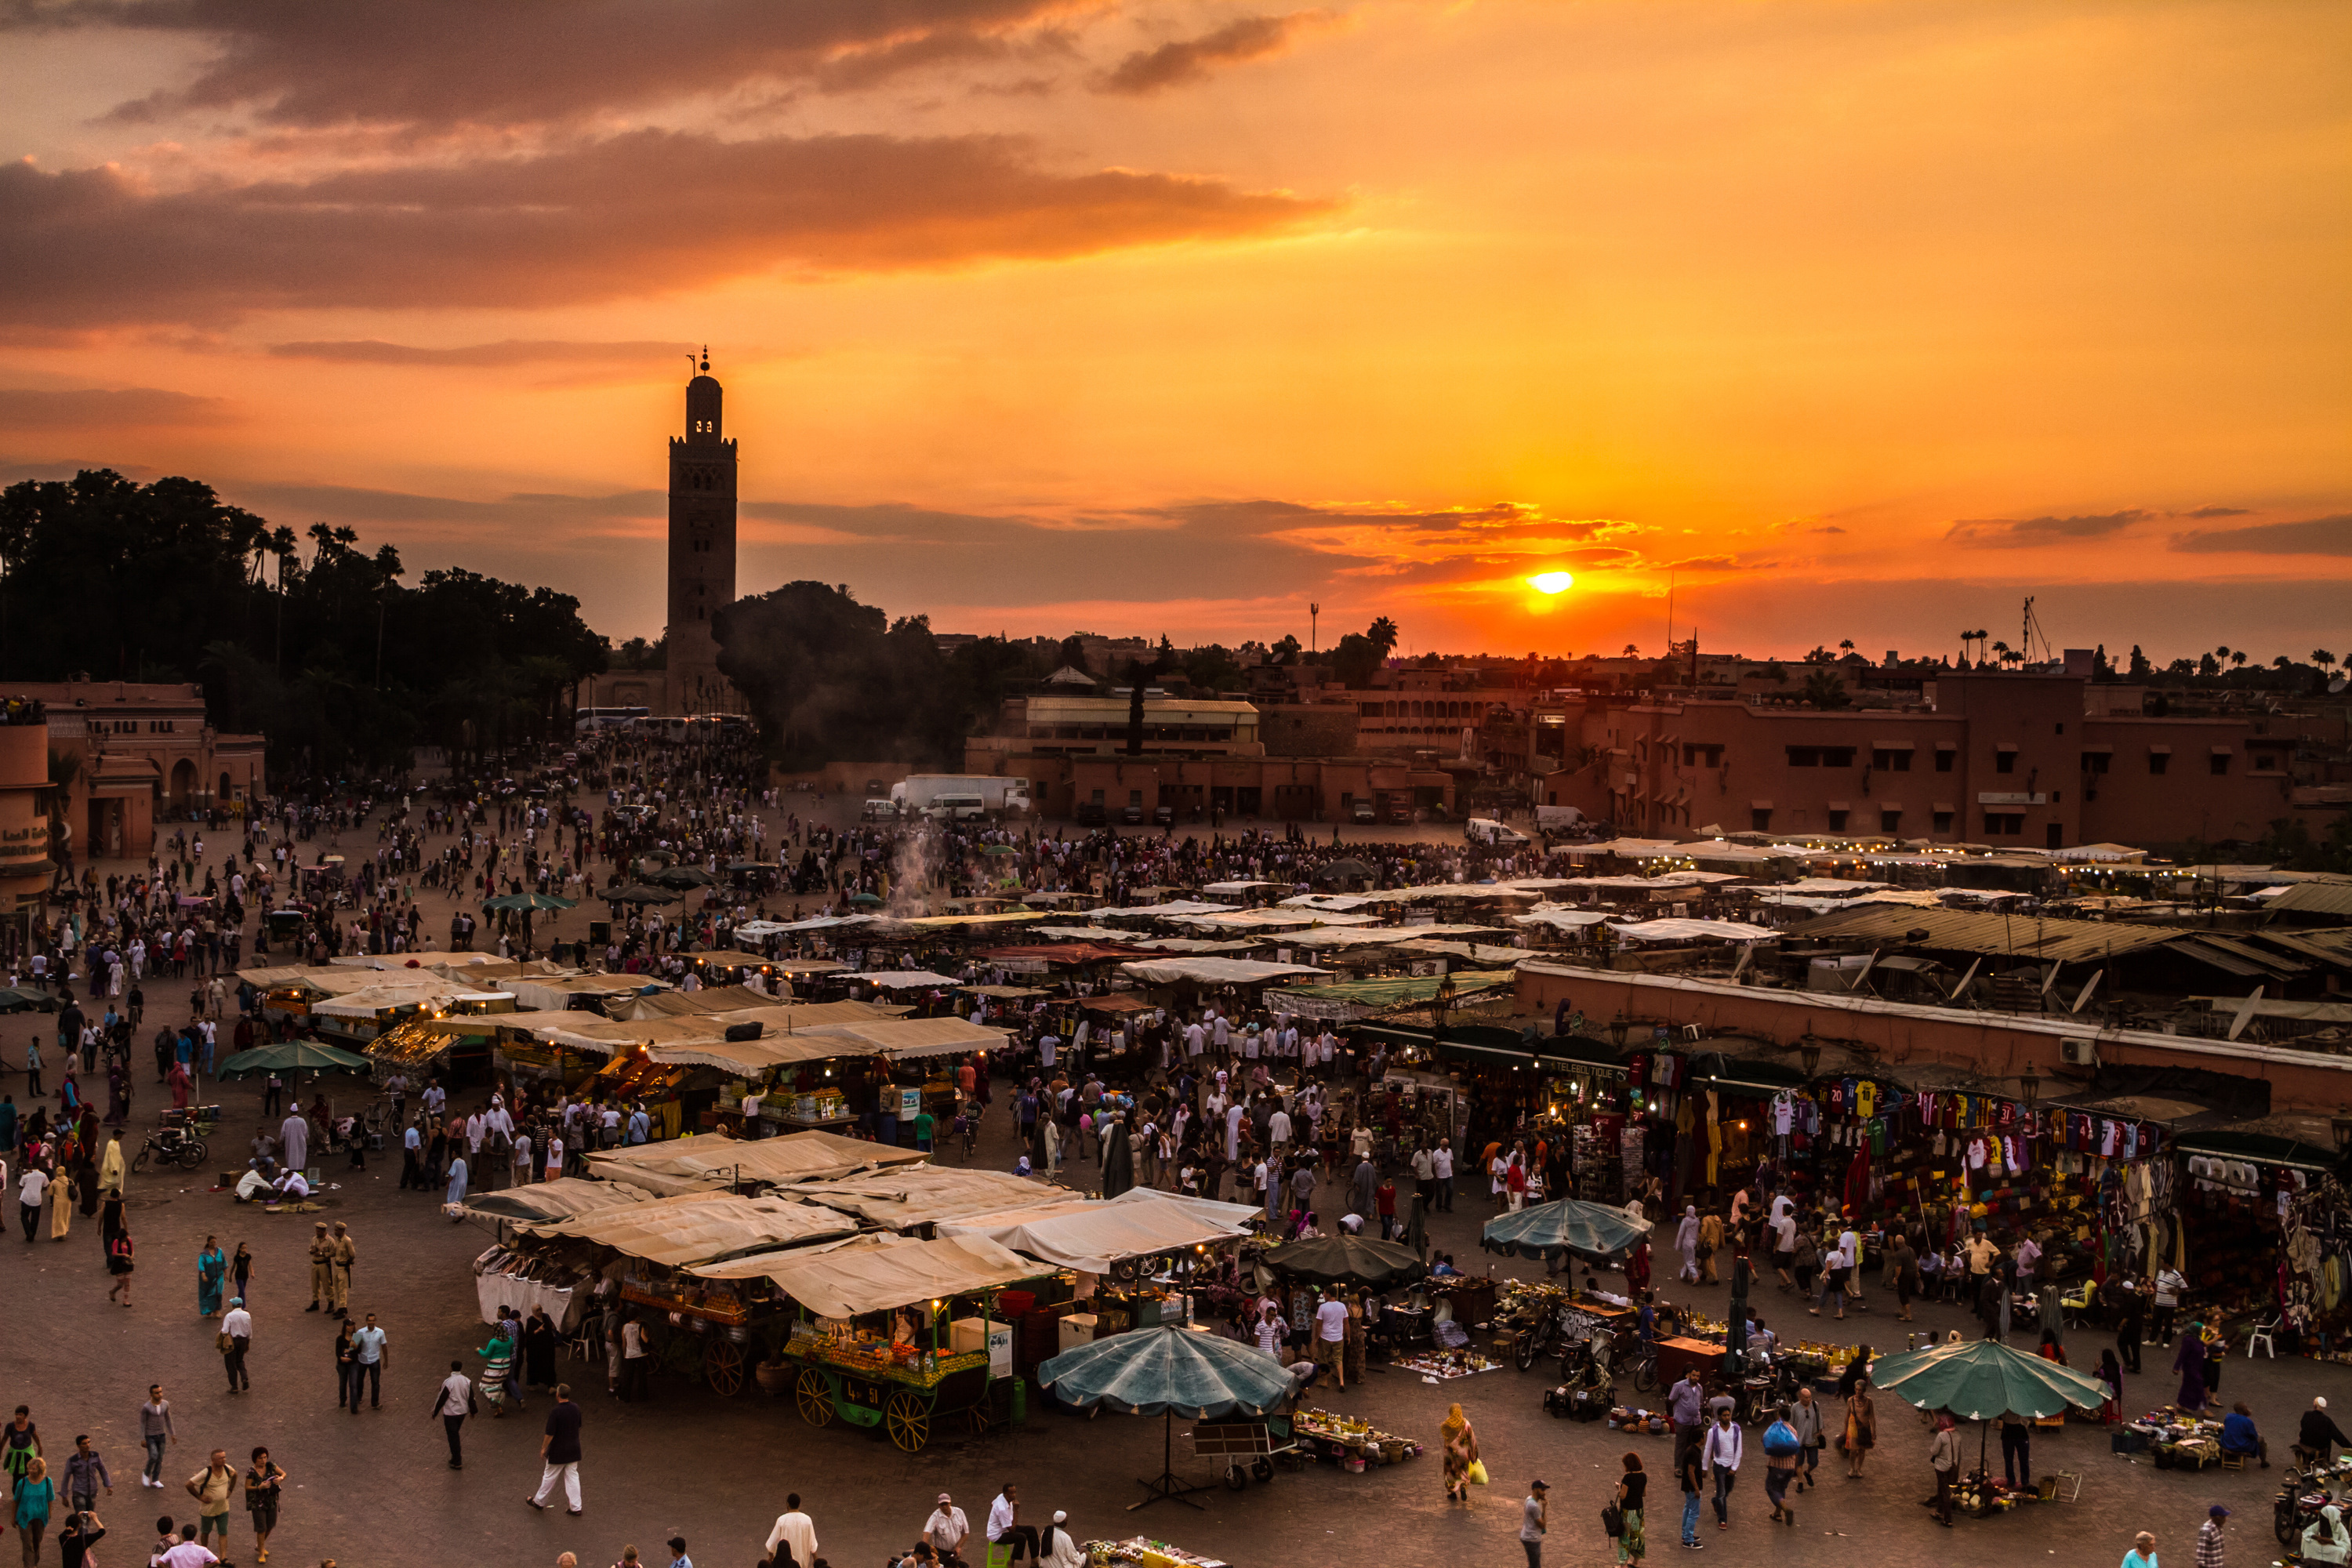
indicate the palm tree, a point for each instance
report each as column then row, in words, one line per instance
column 2002, row 648
column 2322, row 658
column 2238, row 659
column 1382, row 634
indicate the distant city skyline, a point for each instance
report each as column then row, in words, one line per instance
column 1831, row 322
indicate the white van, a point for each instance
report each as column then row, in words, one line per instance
column 1486, row 831
column 956, row 808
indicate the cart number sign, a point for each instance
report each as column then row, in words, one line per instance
column 857, row 1391
column 910, row 1103
column 1578, row 1325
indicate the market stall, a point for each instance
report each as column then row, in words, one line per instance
column 1982, row 1381
column 641, row 1253
column 892, row 1331
column 1167, row 1372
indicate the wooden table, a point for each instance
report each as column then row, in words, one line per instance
column 1678, row 1356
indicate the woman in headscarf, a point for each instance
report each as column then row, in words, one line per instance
column 1459, row 1445
column 178, row 1081
column 498, row 1358
column 118, row 1095
column 212, row 1266
column 2189, row 1361
column 1686, row 1243
column 61, row 1198
column 2325, row 1540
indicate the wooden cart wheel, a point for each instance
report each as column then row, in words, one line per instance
column 983, row 1419
column 723, row 1364
column 909, row 1420
column 814, row 1397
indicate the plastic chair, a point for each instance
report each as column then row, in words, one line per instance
column 1000, row 1555
column 2262, row 1336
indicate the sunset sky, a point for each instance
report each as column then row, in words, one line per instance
column 1850, row 320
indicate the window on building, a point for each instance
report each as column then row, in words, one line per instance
column 2096, row 762
column 1891, row 759
column 2158, row 762
column 1695, row 755
column 1997, row 823
column 1944, row 756
column 1890, row 822
column 1943, row 821
column 1804, row 756
column 1837, row 756
column 1837, row 820
column 2061, row 727
column 2004, row 761
column 1760, row 820
column 2220, row 763
column 2053, row 833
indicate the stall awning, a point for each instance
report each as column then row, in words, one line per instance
column 1210, row 970
column 880, row 1274
column 697, row 1227
column 906, row 980
column 928, row 1194
column 901, row 1038
column 2297, row 1142
column 561, row 1199
column 710, row 1160
column 1092, row 1236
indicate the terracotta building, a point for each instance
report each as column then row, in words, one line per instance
column 141, row 754
column 2010, row 760
column 26, row 869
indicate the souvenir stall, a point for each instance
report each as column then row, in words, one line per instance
column 1132, row 1265
column 2247, row 1189
column 2317, row 1253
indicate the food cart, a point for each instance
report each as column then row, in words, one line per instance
column 891, row 1333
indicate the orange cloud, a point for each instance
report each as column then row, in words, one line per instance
column 644, row 212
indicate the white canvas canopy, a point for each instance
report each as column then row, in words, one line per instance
column 1691, row 931
column 905, row 979
column 881, row 1274
column 928, row 1194
column 1210, row 970
column 1560, row 917
column 899, row 1038
column 697, row 1227
column 559, row 1199
column 710, row 1159
column 1093, row 1236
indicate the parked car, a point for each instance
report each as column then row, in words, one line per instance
column 1132, row 816
column 1090, row 814
column 1363, row 813
column 1163, row 816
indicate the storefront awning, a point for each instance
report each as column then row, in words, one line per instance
column 1091, row 1235
column 710, row 1160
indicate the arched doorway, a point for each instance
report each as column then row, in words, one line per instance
column 182, row 788
column 226, row 792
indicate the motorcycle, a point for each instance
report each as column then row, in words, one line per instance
column 172, row 1145
column 2301, row 1495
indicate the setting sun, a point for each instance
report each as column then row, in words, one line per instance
column 1551, row 582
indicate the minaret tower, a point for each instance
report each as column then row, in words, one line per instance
column 701, row 548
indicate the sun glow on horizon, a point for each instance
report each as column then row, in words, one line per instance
column 1551, row 582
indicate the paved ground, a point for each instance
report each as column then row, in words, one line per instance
column 373, row 1489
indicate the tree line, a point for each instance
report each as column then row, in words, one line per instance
column 309, row 639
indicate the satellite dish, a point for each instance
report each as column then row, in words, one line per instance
column 2336, row 687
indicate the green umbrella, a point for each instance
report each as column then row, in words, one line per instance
column 1168, row 1371
column 1984, row 1380
column 638, row 893
column 293, row 1055
column 1347, row 1260
column 530, row 901
column 1588, row 1230
column 865, row 898
column 681, row 877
